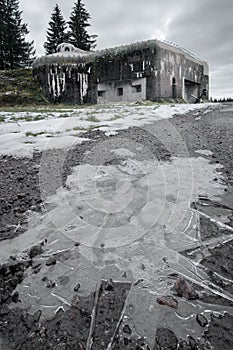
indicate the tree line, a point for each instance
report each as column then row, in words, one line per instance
column 17, row 52
column 221, row 99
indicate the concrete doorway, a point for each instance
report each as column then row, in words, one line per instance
column 191, row 90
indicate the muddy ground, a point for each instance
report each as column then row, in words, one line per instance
column 20, row 194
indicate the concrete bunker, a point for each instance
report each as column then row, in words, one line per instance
column 149, row 70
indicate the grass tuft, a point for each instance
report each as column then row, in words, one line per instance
column 29, row 133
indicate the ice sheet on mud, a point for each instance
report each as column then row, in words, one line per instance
column 131, row 221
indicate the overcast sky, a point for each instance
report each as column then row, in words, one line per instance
column 204, row 27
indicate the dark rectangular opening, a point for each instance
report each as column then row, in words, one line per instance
column 191, row 90
column 120, row 91
column 101, row 93
column 137, row 88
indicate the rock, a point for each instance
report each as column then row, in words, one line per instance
column 166, row 339
column 127, row 329
column 184, row 289
column 201, row 320
column 51, row 261
column 169, row 301
column 142, row 266
column 35, row 250
column 138, row 282
column 109, row 286
column 77, row 287
column 15, row 297
column 37, row 315
column 50, row 284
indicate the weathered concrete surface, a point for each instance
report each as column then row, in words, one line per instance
column 150, row 70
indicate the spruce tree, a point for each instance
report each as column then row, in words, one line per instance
column 79, row 21
column 15, row 51
column 56, row 33
column 2, row 32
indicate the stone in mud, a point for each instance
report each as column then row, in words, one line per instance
column 37, row 315
column 15, row 297
column 184, row 289
column 201, row 320
column 138, row 281
column 77, row 287
column 51, row 261
column 169, row 301
column 109, row 286
column 127, row 329
column 35, row 250
column 50, row 284
column 166, row 339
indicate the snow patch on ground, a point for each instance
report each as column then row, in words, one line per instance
column 22, row 133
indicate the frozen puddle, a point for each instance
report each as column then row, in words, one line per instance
column 116, row 205
column 131, row 220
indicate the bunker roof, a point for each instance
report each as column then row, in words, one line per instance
column 75, row 55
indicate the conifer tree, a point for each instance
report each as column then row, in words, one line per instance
column 56, row 33
column 2, row 32
column 15, row 51
column 79, row 21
